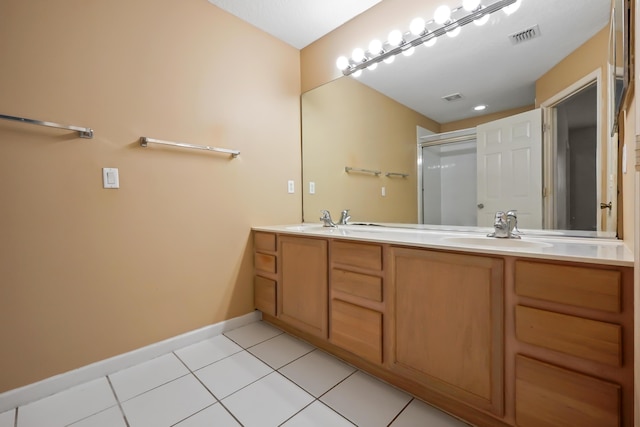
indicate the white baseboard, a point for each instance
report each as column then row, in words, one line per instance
column 36, row 391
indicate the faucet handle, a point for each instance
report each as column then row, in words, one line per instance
column 345, row 217
column 511, row 215
column 326, row 218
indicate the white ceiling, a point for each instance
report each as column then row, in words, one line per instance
column 481, row 63
column 296, row 22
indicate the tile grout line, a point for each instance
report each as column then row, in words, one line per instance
column 338, row 383
column 401, row 411
column 302, row 409
column 356, row 370
column 113, row 390
column 274, row 370
column 208, row 364
column 296, row 359
column 315, row 399
column 210, row 392
column 253, row 345
column 153, row 388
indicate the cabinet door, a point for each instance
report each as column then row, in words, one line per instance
column 549, row 396
column 448, row 328
column 303, row 289
column 357, row 329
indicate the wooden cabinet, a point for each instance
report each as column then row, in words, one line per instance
column 585, row 287
column 448, row 324
column 572, row 335
column 573, row 326
column 549, row 396
column 265, row 277
column 496, row 340
column 302, row 291
column 356, row 299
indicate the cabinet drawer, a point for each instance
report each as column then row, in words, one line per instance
column 578, row 286
column 360, row 285
column 264, row 295
column 357, row 255
column 357, row 329
column 265, row 262
column 547, row 395
column 584, row 338
column 264, row 241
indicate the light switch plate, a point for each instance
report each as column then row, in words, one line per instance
column 312, row 187
column 110, row 178
column 290, row 186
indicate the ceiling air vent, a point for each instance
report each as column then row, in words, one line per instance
column 452, row 97
column 525, row 35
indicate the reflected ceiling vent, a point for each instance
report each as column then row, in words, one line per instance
column 453, row 97
column 525, row 35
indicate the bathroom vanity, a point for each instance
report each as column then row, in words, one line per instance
column 531, row 332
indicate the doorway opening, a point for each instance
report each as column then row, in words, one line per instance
column 575, row 189
column 447, row 177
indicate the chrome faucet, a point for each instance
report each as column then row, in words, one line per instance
column 345, row 217
column 512, row 222
column 505, row 225
column 326, row 219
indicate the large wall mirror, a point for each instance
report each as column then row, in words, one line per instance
column 390, row 147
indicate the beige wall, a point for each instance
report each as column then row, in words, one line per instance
column 592, row 55
column 345, row 123
column 88, row 273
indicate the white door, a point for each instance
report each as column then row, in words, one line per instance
column 510, row 169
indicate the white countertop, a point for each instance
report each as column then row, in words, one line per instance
column 590, row 250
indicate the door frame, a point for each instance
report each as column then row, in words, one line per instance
column 429, row 140
column 549, row 149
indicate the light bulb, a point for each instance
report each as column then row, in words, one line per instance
column 395, row 38
column 470, row 5
column 454, row 31
column 512, row 7
column 372, row 66
column 481, row 21
column 431, row 42
column 357, row 73
column 409, row 52
column 357, row 55
column 375, row 47
column 417, row 26
column 389, row 59
column 342, row 63
column 442, row 14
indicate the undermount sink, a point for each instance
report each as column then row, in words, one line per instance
column 493, row 242
column 338, row 229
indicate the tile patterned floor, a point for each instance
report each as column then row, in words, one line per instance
column 251, row 376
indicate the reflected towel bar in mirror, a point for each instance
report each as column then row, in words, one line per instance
column 392, row 174
column 82, row 132
column 348, row 169
column 145, row 140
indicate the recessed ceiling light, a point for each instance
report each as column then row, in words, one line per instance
column 479, row 107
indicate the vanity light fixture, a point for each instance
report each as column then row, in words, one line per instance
column 405, row 43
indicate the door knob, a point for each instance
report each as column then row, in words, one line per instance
column 605, row 205
column 480, row 206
